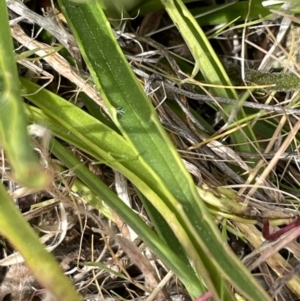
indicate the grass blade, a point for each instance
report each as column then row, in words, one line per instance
column 13, row 124
column 137, row 120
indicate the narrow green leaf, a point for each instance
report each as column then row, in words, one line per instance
column 205, row 57
column 135, row 117
column 215, row 14
column 13, row 125
column 208, row 63
column 170, row 258
column 73, row 125
column 83, row 131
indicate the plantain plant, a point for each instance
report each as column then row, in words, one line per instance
column 132, row 141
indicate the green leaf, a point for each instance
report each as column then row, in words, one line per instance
column 171, row 259
column 174, row 194
column 13, row 124
column 208, row 63
column 73, row 125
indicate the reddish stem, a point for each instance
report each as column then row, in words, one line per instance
column 275, row 235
